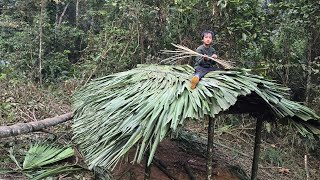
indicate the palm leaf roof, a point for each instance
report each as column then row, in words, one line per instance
column 139, row 107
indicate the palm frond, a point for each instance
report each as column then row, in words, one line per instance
column 55, row 171
column 42, row 154
column 183, row 52
column 139, row 107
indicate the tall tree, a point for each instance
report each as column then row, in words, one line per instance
column 41, row 17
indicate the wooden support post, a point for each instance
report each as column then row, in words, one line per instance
column 147, row 168
column 256, row 153
column 210, row 147
column 306, row 167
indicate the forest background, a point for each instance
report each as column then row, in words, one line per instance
column 49, row 48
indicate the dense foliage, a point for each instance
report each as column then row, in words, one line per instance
column 65, row 43
column 60, row 40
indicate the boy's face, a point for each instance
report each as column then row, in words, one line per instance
column 207, row 39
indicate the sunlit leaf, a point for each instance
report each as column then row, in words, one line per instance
column 42, row 154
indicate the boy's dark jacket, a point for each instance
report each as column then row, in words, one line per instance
column 200, row 60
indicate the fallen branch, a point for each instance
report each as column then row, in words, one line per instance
column 160, row 162
column 164, row 170
column 22, row 128
column 124, row 173
column 188, row 170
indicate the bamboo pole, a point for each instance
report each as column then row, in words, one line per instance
column 306, row 167
column 210, row 147
column 163, row 169
column 256, row 153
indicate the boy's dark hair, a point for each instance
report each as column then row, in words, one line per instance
column 207, row 32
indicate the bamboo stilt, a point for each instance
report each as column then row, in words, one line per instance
column 256, row 153
column 210, row 147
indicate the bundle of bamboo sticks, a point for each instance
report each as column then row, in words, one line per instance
column 183, row 52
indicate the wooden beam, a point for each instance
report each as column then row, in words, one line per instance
column 256, row 153
column 22, row 128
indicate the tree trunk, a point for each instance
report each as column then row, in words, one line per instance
column 256, row 153
column 63, row 13
column 42, row 6
column 286, row 64
column 77, row 13
column 210, row 147
column 142, row 60
column 22, row 128
column 308, row 81
column 56, row 25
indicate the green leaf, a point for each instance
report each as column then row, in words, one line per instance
column 42, row 154
column 56, row 171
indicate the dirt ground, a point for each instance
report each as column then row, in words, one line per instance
column 232, row 159
column 174, row 157
column 174, row 160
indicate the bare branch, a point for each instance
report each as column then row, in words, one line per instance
column 62, row 14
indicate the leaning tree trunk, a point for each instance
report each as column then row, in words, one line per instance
column 22, row 128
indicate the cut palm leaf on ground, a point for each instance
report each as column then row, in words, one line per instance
column 43, row 154
column 56, row 171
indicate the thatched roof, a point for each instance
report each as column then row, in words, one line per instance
column 141, row 106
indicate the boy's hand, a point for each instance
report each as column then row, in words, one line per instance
column 205, row 57
column 214, row 56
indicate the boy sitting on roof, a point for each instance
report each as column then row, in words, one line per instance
column 203, row 65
